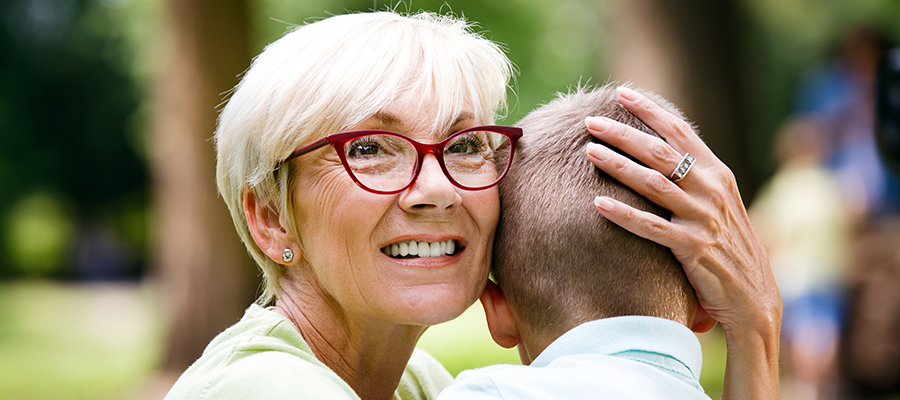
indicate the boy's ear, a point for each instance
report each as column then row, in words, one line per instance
column 267, row 231
column 499, row 316
column 702, row 321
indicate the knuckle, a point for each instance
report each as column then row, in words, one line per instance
column 658, row 184
column 722, row 173
column 662, row 152
column 729, row 177
column 718, row 198
column 655, row 227
column 626, row 216
column 620, row 164
column 712, row 225
column 681, row 126
column 619, row 134
column 646, row 105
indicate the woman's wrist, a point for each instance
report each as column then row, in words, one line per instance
column 752, row 363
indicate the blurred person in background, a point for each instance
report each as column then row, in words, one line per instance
column 841, row 93
column 802, row 218
column 832, row 261
column 358, row 162
column 871, row 349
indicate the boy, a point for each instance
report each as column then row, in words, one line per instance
column 594, row 310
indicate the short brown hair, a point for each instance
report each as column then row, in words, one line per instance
column 559, row 262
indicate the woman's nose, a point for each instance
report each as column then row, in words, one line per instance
column 432, row 190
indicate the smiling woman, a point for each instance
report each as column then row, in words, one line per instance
column 377, row 128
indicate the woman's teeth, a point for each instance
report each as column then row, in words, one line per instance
column 415, row 248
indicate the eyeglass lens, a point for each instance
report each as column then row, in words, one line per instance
column 386, row 163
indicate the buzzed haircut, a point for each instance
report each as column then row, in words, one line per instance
column 558, row 261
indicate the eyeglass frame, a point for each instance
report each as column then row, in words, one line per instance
column 338, row 140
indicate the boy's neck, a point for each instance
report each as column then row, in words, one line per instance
column 533, row 344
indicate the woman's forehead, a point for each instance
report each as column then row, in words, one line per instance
column 389, row 118
column 420, row 111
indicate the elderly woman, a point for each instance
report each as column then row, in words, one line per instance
column 360, row 167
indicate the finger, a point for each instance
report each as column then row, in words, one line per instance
column 650, row 150
column 648, row 182
column 673, row 129
column 641, row 223
column 707, row 280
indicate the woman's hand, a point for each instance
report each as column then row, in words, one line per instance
column 709, row 233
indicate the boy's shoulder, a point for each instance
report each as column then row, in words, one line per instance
column 656, row 360
column 573, row 377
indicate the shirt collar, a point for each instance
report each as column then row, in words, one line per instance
column 660, row 342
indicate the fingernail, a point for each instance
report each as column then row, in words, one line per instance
column 597, row 123
column 597, row 150
column 628, row 94
column 603, row 203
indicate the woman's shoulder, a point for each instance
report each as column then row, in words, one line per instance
column 423, row 378
column 262, row 356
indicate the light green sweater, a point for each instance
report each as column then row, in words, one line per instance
column 263, row 356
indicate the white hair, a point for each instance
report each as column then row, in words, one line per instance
column 326, row 77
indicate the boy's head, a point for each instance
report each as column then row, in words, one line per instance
column 558, row 262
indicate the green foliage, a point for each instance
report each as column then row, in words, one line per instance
column 67, row 99
column 39, row 235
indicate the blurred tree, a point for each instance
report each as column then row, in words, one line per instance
column 207, row 275
column 688, row 51
column 65, row 106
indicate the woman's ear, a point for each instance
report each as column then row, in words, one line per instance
column 500, row 319
column 268, row 233
column 702, row 321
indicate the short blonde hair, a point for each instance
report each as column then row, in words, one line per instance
column 326, row 77
column 612, row 272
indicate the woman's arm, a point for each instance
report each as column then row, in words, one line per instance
column 709, row 233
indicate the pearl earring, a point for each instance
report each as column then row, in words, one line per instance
column 287, row 255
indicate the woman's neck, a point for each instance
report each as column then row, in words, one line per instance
column 367, row 353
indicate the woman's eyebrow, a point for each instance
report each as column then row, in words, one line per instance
column 463, row 116
column 388, row 119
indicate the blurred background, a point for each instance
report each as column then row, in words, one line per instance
column 118, row 262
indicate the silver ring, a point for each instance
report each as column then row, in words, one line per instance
column 683, row 167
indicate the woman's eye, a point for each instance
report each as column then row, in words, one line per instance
column 363, row 148
column 466, row 145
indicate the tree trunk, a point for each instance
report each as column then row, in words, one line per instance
column 205, row 273
column 688, row 51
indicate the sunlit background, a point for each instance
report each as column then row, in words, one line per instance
column 118, row 262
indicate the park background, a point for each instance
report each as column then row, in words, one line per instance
column 118, row 262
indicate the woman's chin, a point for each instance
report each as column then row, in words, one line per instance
column 434, row 306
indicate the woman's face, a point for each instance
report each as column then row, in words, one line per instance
column 344, row 230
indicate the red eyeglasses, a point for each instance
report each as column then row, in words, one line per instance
column 385, row 162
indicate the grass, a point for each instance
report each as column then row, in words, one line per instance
column 60, row 341
column 103, row 341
